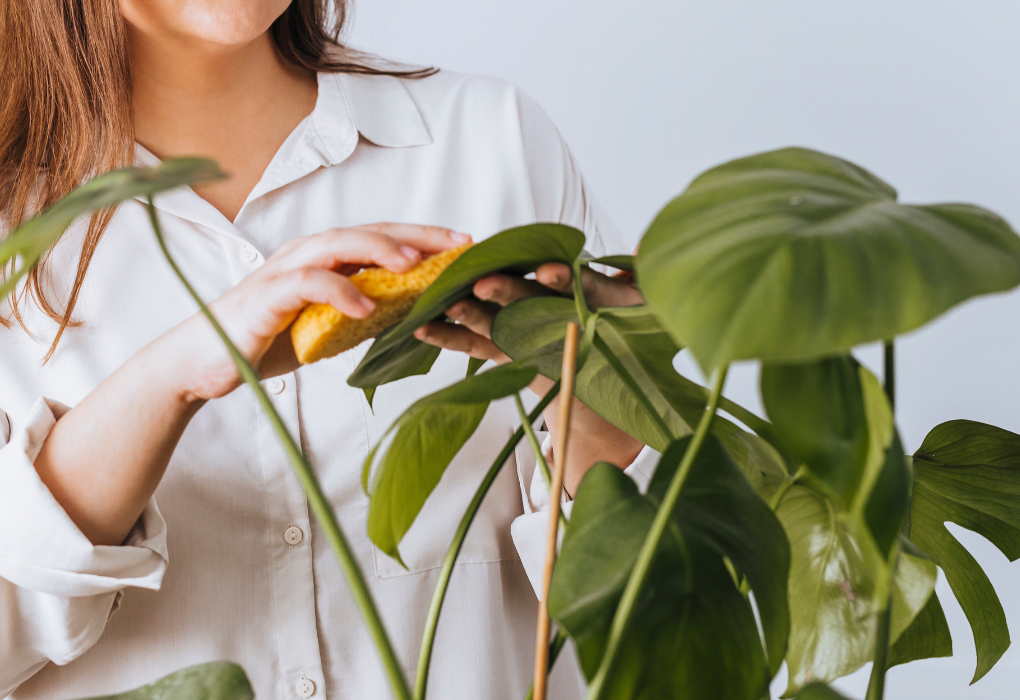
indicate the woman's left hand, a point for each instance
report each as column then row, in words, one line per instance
column 472, row 334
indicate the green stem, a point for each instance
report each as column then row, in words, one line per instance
column 777, row 497
column 889, row 371
column 543, row 466
column 876, row 686
column 432, row 621
column 555, row 646
column 632, row 384
column 651, row 544
column 316, row 499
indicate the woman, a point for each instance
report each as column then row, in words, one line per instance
column 159, row 456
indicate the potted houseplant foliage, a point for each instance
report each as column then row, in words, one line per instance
column 812, row 525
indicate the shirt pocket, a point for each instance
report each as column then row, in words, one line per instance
column 425, row 545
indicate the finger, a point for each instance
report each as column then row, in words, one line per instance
column 506, row 289
column 459, row 339
column 599, row 289
column 340, row 247
column 430, row 239
column 291, row 292
column 474, row 315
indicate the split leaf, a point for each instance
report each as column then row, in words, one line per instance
column 793, row 255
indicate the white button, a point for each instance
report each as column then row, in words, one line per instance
column 275, row 385
column 305, row 688
column 248, row 254
column 293, row 535
column 349, row 136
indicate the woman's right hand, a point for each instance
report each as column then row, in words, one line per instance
column 255, row 313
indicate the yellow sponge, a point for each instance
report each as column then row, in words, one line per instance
column 321, row 331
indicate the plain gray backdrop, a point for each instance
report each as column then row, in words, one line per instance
column 649, row 93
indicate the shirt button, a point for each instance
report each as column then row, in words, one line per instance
column 305, row 688
column 248, row 254
column 293, row 535
column 276, row 386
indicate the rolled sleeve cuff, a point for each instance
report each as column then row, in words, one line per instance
column 529, row 531
column 41, row 549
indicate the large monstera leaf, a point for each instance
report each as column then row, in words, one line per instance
column 26, row 245
column 967, row 473
column 693, row 634
column 219, row 680
column 793, row 255
column 395, row 354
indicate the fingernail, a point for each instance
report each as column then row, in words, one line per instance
column 455, row 312
column 460, row 237
column 409, row 252
column 421, row 334
column 367, row 304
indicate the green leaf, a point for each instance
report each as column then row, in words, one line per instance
column 692, row 635
column 927, row 636
column 219, row 680
column 835, row 565
column 534, row 328
column 516, row 251
column 719, row 506
column 817, row 409
column 26, row 245
column 793, row 255
column 426, row 438
column 474, row 364
column 820, row 691
column 968, row 473
column 409, row 357
column 620, row 262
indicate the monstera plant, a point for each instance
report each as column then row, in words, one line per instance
column 809, row 538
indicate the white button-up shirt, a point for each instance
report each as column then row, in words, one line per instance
column 226, row 562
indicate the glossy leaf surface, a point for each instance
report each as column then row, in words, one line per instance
column 425, row 440
column 26, row 245
column 516, row 251
column 793, row 255
column 968, row 473
column 693, row 634
column 835, row 565
column 820, row 691
column 219, row 680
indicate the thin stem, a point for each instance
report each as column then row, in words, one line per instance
column 316, row 499
column 555, row 647
column 543, row 466
column 651, row 544
column 439, row 594
column 567, row 375
column 889, row 371
column 876, row 686
column 632, row 384
column 777, row 497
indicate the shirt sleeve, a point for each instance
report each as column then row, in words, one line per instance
column 57, row 589
column 529, row 531
column 558, row 190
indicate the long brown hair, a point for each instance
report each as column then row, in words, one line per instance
column 65, row 109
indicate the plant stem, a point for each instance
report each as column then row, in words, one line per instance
column 555, row 646
column 876, row 686
column 432, row 621
column 889, row 371
column 543, row 466
column 306, row 476
column 580, row 303
column 567, row 374
column 650, row 546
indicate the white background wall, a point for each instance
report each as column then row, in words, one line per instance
column 649, row 93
